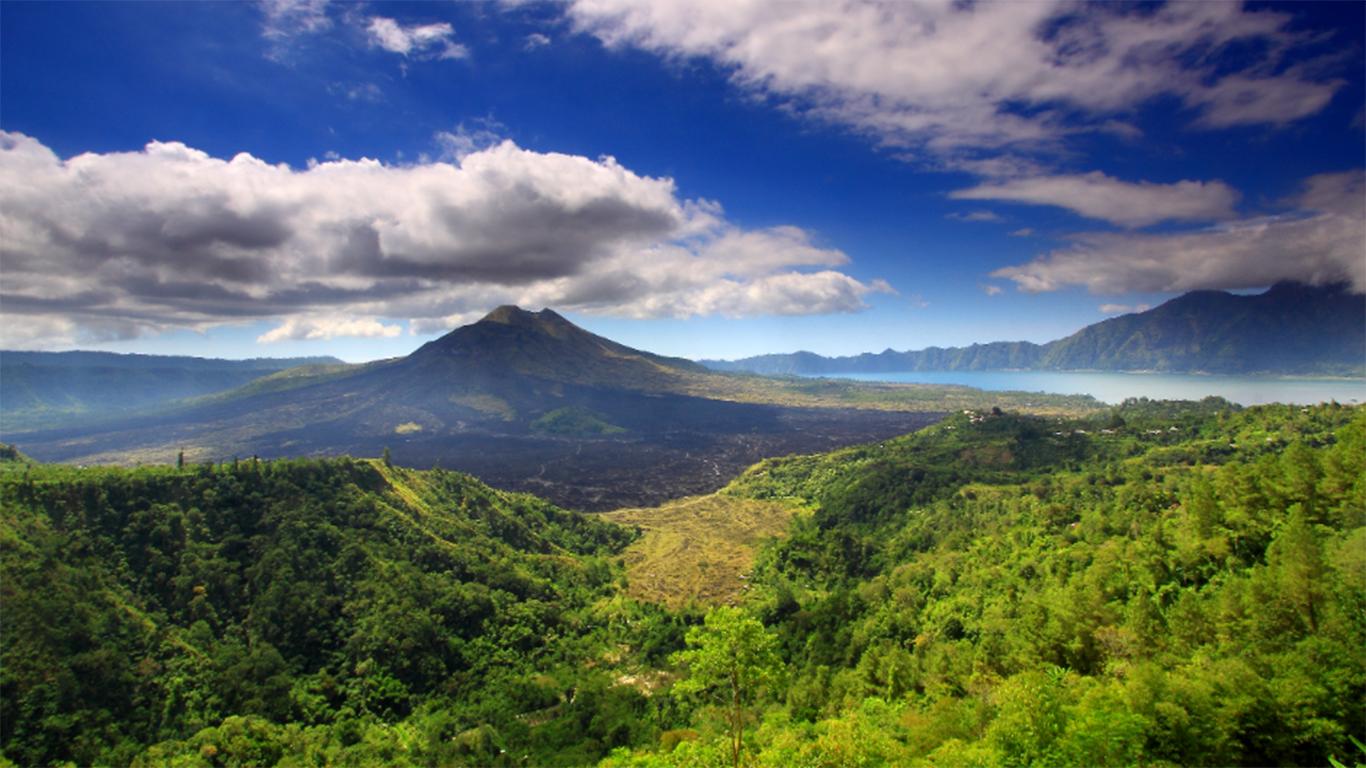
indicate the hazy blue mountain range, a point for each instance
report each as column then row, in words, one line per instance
column 1290, row 329
column 85, row 360
column 526, row 400
column 39, row 388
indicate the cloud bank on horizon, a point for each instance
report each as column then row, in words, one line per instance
column 112, row 245
column 996, row 100
column 1320, row 240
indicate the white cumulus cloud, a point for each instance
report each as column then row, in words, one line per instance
column 105, row 245
column 321, row 328
column 1128, row 204
column 288, row 18
column 1321, row 241
column 1122, row 309
column 436, row 39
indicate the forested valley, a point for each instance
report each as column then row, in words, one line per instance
column 1160, row 584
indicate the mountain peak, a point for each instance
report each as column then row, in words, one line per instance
column 545, row 345
column 511, row 314
column 1291, row 288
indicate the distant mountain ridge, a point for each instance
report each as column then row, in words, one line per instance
column 86, row 358
column 48, row 387
column 1289, row 329
column 526, row 400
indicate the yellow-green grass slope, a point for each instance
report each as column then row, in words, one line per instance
column 699, row 549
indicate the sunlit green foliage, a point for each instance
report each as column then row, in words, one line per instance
column 731, row 661
column 1162, row 584
column 346, row 610
column 574, row 421
column 1159, row 584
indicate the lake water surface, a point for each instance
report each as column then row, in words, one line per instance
column 1115, row 387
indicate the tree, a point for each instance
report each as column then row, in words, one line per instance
column 732, row 658
column 388, row 458
column 1295, row 562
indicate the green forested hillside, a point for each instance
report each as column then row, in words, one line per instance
column 1166, row 585
column 327, row 612
column 1163, row 584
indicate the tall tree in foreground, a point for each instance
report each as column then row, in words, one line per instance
column 731, row 658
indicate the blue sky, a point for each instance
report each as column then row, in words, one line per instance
column 708, row 179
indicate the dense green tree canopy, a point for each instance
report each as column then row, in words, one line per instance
column 1161, row 584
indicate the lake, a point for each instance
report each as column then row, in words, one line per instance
column 1115, row 387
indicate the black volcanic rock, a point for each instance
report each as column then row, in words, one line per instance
column 1292, row 328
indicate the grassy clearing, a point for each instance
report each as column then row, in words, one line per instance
column 574, row 420
column 487, row 404
column 698, row 549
